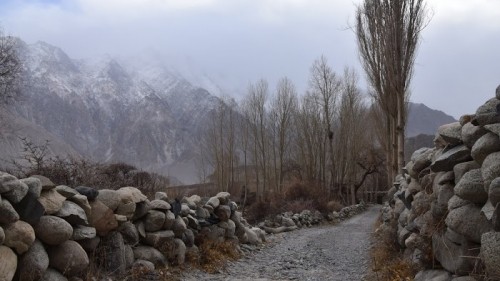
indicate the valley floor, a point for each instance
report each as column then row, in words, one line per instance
column 339, row 252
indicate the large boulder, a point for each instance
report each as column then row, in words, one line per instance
column 52, row 201
column 46, row 182
column 2, row 236
column 471, row 187
column 33, row 263
column 110, row 198
column 81, row 232
column 490, row 169
column 450, row 157
column 69, row 258
column 433, row 275
column 471, row 133
column 451, row 133
column 18, row 190
column 490, row 254
column 111, row 253
column 484, row 146
column 422, row 159
column 131, row 194
column 468, row 221
column 8, row 263
column 150, row 254
column 7, row 182
column 223, row 212
column 453, row 251
column 461, row 168
column 154, row 220
column 73, row 213
column 494, row 191
column 53, row 275
column 129, row 233
column 89, row 192
column 53, row 230
column 158, row 238
column 66, row 191
column 7, row 212
column 19, row 236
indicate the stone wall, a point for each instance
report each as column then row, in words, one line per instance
column 50, row 232
column 447, row 205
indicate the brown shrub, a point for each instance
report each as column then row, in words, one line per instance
column 214, row 255
column 334, row 206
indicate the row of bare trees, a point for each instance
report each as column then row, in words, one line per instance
column 271, row 138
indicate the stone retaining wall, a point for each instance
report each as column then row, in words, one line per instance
column 48, row 232
column 448, row 203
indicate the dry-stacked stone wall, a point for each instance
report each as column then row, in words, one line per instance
column 447, row 205
column 52, row 233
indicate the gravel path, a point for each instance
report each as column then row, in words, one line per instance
column 339, row 252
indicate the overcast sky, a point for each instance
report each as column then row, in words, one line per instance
column 239, row 41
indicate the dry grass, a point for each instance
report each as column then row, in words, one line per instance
column 387, row 260
column 214, row 256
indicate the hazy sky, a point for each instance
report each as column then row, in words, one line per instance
column 238, row 41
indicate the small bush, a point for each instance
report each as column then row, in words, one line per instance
column 334, row 206
column 214, row 255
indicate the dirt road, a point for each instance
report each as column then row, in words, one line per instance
column 339, row 252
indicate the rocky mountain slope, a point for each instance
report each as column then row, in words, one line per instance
column 111, row 110
column 424, row 120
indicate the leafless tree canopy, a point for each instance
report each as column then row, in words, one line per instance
column 9, row 66
column 388, row 33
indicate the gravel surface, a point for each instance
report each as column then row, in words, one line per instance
column 339, row 252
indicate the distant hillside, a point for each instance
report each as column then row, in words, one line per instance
column 424, row 120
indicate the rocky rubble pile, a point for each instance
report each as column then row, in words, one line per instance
column 289, row 221
column 447, row 205
column 48, row 232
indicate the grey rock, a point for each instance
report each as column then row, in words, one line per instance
column 158, row 238
column 112, row 254
column 494, row 191
column 8, row 263
column 110, row 198
column 7, row 182
column 73, row 214
column 154, row 221
column 188, row 238
column 141, row 209
column 461, row 168
column 83, row 202
column 129, row 233
column 488, row 210
column 126, row 209
column 2, row 236
column 452, row 250
column 223, row 212
column 143, row 265
column 89, row 192
column 494, row 128
column 81, row 232
column 422, row 159
column 433, row 275
column 33, row 263
column 18, row 191
column 457, row 202
column 469, row 222
column 213, row 202
column 192, row 222
column 7, row 212
column 497, row 92
column 464, row 278
column 179, row 227
column 471, row 187
column 490, row 253
column 169, row 220
column 160, row 205
column 451, row 133
column 53, row 275
column 185, row 210
column 223, row 197
column 69, row 258
column 150, row 254
column 131, row 194
column 66, row 191
column 495, row 218
column 484, row 146
column 46, row 182
column 90, row 245
column 53, row 230
column 446, row 161
column 471, row 133
column 34, row 185
column 161, row 196
column 490, row 169
column 490, row 106
column 19, row 236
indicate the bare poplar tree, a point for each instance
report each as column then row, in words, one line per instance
column 388, row 33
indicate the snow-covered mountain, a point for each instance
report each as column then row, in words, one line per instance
column 136, row 110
